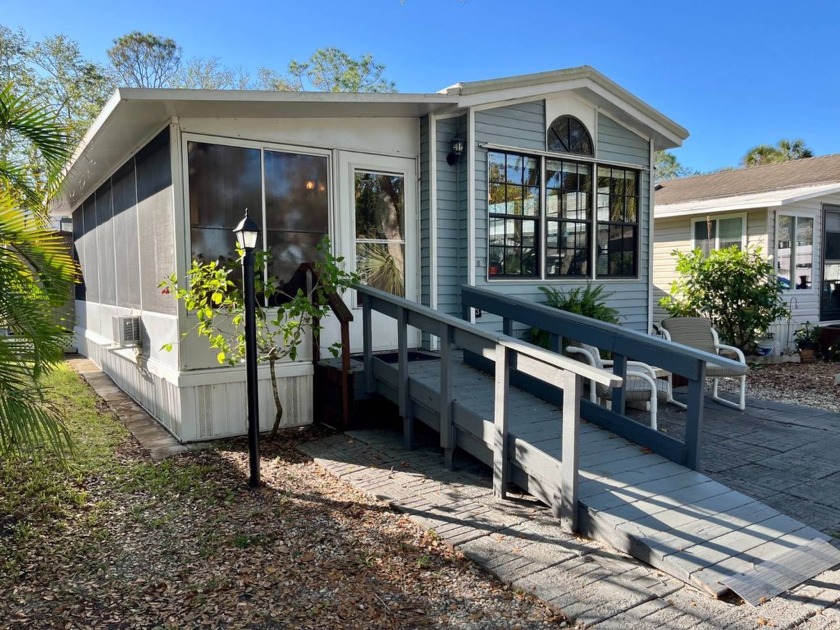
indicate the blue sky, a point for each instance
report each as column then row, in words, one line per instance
column 735, row 74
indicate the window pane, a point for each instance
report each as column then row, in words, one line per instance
column 496, row 167
column 380, row 231
column 382, row 266
column 497, row 198
column 729, row 232
column 515, row 164
column 379, row 206
column 288, row 250
column 223, row 182
column 296, row 192
column 804, row 252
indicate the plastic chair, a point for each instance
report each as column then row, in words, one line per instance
column 697, row 332
column 640, row 385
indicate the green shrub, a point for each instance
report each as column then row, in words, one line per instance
column 736, row 289
column 588, row 301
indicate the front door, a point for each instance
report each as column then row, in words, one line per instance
column 830, row 290
column 378, row 234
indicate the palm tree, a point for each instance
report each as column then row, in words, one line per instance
column 36, row 275
column 784, row 151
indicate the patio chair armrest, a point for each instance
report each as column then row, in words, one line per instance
column 641, row 368
column 587, row 358
column 736, row 351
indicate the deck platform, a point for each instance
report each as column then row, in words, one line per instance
column 669, row 516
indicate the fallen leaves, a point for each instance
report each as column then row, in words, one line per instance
column 185, row 543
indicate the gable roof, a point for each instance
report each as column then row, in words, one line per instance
column 586, row 82
column 769, row 182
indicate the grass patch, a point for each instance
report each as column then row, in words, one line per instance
column 41, row 487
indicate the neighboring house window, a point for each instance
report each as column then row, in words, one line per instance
column 285, row 193
column 570, row 223
column 514, row 214
column 568, row 135
column 718, row 233
column 794, row 251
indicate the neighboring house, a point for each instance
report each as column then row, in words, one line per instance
column 792, row 210
column 552, row 187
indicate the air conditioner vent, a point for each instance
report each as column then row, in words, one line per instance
column 127, row 331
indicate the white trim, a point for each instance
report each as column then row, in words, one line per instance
column 716, row 245
column 471, row 205
column 769, row 199
column 816, row 223
column 651, row 236
column 433, row 219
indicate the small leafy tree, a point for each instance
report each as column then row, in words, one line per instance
column 218, row 304
column 736, row 289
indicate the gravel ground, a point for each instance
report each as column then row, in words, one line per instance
column 808, row 384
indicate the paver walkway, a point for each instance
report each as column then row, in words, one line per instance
column 152, row 436
column 521, row 543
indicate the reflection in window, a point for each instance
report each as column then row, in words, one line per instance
column 568, row 211
column 514, row 206
column 380, row 231
column 718, row 233
column 618, row 221
column 225, row 180
column 795, row 251
column 568, row 135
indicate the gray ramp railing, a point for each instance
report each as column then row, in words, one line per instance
column 507, row 354
column 624, row 344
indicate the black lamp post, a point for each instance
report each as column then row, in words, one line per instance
column 247, row 233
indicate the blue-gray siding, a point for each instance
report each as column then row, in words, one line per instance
column 618, row 144
column 449, row 236
column 521, row 125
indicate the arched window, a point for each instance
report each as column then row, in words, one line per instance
column 568, row 135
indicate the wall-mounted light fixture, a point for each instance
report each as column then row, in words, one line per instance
column 457, row 150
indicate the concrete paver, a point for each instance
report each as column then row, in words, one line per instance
column 522, row 544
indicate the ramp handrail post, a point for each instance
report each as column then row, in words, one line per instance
column 694, row 418
column 572, row 386
column 367, row 343
column 404, row 395
column 447, row 421
column 500, row 421
column 620, row 369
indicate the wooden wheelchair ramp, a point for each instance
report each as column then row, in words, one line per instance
column 665, row 514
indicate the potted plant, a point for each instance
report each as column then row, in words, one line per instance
column 807, row 341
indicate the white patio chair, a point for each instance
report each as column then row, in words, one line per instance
column 641, row 384
column 698, row 333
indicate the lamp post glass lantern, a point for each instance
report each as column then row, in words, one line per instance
column 247, row 233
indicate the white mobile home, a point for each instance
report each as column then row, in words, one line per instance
column 508, row 184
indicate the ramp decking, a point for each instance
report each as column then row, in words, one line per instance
column 665, row 514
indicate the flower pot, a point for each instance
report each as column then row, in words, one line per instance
column 806, row 355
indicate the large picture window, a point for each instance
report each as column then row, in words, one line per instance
column 590, row 219
column 224, row 180
column 795, row 251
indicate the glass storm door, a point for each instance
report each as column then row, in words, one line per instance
column 830, row 289
column 379, row 236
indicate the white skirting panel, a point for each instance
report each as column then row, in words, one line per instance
column 212, row 403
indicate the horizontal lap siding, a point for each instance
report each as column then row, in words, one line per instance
column 448, row 224
column 520, row 125
column 618, row 144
